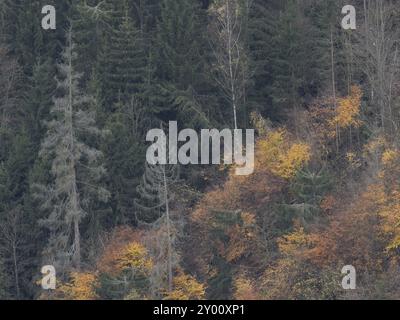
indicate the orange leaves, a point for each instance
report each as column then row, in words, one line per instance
column 352, row 236
column 240, row 238
column 186, row 287
column 226, row 222
column 120, row 239
column 328, row 203
column 81, row 287
column 123, row 252
column 277, row 159
column 327, row 121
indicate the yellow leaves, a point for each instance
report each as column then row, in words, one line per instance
column 353, row 160
column 272, row 144
column 123, row 259
column 375, row 146
column 282, row 157
column 186, row 287
column 291, row 243
column 259, row 123
column 389, row 156
column 135, row 256
column 81, row 287
column 119, row 240
column 386, row 205
column 245, row 290
column 348, row 110
column 389, row 211
column 390, row 172
column 327, row 121
column 296, row 157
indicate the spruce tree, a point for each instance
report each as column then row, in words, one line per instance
column 178, row 43
column 39, row 98
column 309, row 189
column 124, row 159
column 75, row 165
column 124, row 69
column 154, row 210
column 294, row 62
column 261, row 31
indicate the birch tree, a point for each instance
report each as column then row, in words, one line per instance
column 231, row 66
column 75, row 165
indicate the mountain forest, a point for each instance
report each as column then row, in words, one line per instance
column 79, row 201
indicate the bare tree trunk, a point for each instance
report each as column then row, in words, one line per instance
column 366, row 24
column 230, row 48
column 226, row 40
column 334, row 86
column 74, row 198
column 77, row 241
column 169, row 263
column 16, row 271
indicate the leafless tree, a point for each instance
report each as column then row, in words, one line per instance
column 231, row 65
column 379, row 58
column 10, row 243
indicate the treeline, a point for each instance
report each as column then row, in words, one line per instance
column 75, row 189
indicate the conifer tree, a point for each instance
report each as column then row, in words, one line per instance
column 178, row 43
column 39, row 98
column 309, row 189
column 124, row 158
column 261, row 30
column 10, row 85
column 15, row 244
column 294, row 60
column 75, row 165
column 154, row 210
column 124, row 69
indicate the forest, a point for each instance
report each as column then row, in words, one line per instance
column 81, row 206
